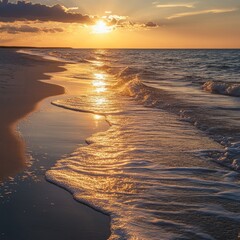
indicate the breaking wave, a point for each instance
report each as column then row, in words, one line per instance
column 153, row 172
column 231, row 89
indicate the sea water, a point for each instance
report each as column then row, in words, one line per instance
column 167, row 167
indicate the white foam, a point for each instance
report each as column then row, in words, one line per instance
column 43, row 55
column 135, row 172
column 149, row 171
column 231, row 89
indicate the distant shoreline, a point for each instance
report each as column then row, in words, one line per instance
column 14, row 47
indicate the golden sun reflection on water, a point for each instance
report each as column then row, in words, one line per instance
column 99, row 82
column 97, row 117
column 100, row 100
column 101, row 89
column 98, row 63
column 100, row 76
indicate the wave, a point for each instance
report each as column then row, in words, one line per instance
column 91, row 104
column 129, row 84
column 230, row 89
column 65, row 57
column 42, row 55
column 147, row 171
column 141, row 184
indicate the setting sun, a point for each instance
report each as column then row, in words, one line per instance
column 101, row 27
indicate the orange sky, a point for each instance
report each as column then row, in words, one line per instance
column 141, row 24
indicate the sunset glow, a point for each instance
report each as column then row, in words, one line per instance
column 138, row 24
column 101, row 28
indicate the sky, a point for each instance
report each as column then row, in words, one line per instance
column 121, row 23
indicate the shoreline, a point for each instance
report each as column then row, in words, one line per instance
column 22, row 97
column 140, row 171
column 79, row 219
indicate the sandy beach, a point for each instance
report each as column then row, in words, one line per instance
column 36, row 208
column 19, row 96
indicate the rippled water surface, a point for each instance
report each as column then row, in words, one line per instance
column 167, row 168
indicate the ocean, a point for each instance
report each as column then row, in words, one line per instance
column 168, row 166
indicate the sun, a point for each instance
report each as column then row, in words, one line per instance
column 101, row 27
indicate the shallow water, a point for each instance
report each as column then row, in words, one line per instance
column 156, row 170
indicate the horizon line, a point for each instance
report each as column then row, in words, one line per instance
column 181, row 48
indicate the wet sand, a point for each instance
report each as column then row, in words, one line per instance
column 30, row 207
column 20, row 93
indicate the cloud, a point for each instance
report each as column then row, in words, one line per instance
column 151, row 25
column 28, row 13
column 186, row 5
column 117, row 21
column 27, row 29
column 114, row 19
column 51, row 30
column 210, row 11
column 22, row 11
column 128, row 25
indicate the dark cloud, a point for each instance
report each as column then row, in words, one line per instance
column 52, row 30
column 151, row 24
column 22, row 11
column 27, row 29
